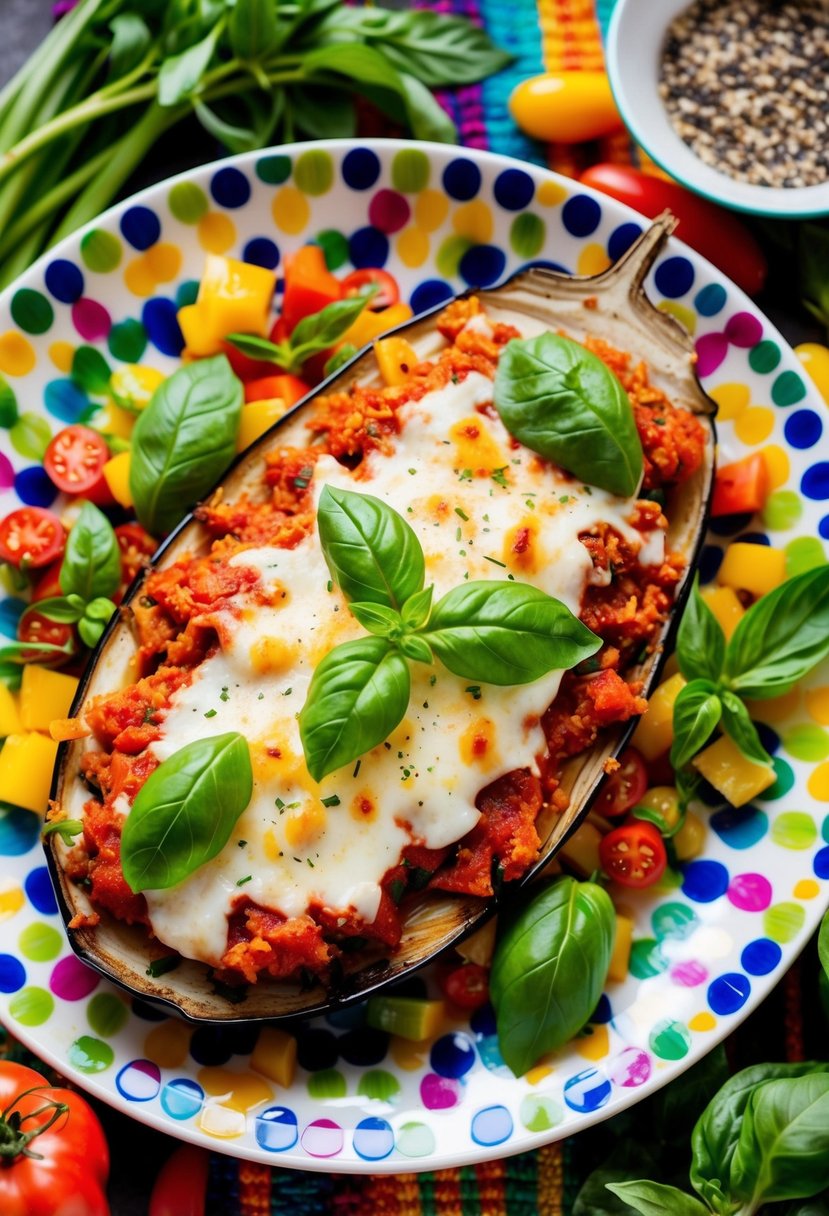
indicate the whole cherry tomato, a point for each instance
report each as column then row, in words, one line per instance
column 634, row 854
column 466, row 986
column 624, row 787
column 31, row 537
column 55, row 1158
column 136, row 547
column 387, row 293
column 75, row 460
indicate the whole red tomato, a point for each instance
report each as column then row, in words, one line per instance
column 54, row 1158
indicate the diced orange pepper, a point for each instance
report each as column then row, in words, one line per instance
column 309, row 285
column 289, row 388
column 63, row 729
column 742, row 487
column 395, row 359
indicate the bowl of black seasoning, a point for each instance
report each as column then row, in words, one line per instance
column 730, row 97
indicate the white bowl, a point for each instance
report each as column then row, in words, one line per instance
column 634, row 52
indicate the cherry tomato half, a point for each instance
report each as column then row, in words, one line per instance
column 75, row 460
column 624, row 787
column 35, row 628
column 634, row 854
column 387, row 293
column 31, row 537
column 136, row 546
column 466, row 986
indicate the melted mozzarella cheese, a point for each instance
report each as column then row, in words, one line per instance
column 482, row 508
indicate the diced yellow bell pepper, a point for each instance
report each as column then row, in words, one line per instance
column 723, row 765
column 753, row 568
column 690, row 839
column 112, row 420
column 395, row 358
column 726, row 607
column 480, row 946
column 274, row 1056
column 655, row 732
column 117, row 474
column 370, row 325
column 44, row 695
column 26, row 764
column 256, row 418
column 9, row 713
column 620, row 958
column 581, row 850
column 132, row 385
column 234, row 297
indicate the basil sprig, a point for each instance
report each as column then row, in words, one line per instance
column 311, row 335
column 185, row 811
column 494, row 632
column 549, row 969
column 778, row 641
column 561, row 401
column 183, row 441
column 89, row 576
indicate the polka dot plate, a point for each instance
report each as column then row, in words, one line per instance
column 706, row 949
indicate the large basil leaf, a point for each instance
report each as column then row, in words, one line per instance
column 781, row 637
column 700, row 641
column 564, row 403
column 697, row 711
column 656, row 1199
column 183, row 441
column 737, row 724
column 253, row 29
column 371, row 551
column 91, row 564
column 549, row 968
column 185, row 811
column 427, row 117
column 783, row 1148
column 715, row 1137
column 506, row 633
column 358, row 694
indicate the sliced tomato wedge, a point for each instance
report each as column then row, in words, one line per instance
column 37, row 629
column 31, row 537
column 633, row 855
column 136, row 547
column 309, row 285
column 624, row 787
column 387, row 293
column 75, row 461
column 466, row 986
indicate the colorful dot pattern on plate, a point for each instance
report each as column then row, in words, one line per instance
column 703, row 952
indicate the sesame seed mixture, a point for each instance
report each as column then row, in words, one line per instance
column 746, row 86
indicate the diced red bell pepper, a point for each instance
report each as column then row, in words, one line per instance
column 290, row 388
column 309, row 285
column 245, row 367
column 741, row 488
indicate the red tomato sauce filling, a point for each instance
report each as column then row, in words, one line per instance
column 177, row 624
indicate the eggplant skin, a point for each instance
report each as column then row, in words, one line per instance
column 612, row 305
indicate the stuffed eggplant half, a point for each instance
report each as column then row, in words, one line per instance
column 372, row 683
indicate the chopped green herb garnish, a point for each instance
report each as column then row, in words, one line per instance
column 160, row 966
column 303, row 477
column 210, row 713
column 241, row 843
column 498, row 477
column 462, row 514
column 495, row 561
column 411, row 472
column 332, row 800
column 458, row 534
column 241, row 882
column 474, row 690
column 329, row 586
column 356, row 768
column 465, row 475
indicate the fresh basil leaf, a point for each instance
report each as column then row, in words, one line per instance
column 737, row 724
column 358, row 694
column 340, row 357
column 783, row 1148
column 427, row 117
column 185, row 812
column 697, row 711
column 415, row 612
column 356, row 62
column 377, row 619
column 441, row 50
column 549, row 968
column 67, row 829
column 59, row 608
column 371, row 551
column 416, row 647
column 90, row 631
column 100, row 609
column 11, row 674
column 687, row 782
column 717, row 1132
column 506, row 633
column 823, row 944
column 656, row 1199
column 183, row 441
column 561, row 401
column 260, row 348
column 253, row 28
column 180, row 75
column 780, row 638
column 22, row 652
column 92, row 560
column 700, row 641
column 321, row 329
column 131, row 39
column 91, row 371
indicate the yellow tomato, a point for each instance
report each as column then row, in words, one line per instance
column 663, row 800
column 815, row 359
column 565, row 107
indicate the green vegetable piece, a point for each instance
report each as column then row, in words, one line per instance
column 183, row 441
column 780, row 638
column 506, row 633
column 322, row 329
column 253, row 29
column 564, row 403
column 783, row 1147
column 549, row 969
column 371, row 551
column 61, row 608
column 91, row 564
column 408, row 1017
column 656, row 1199
column 697, row 711
column 185, row 812
column 340, row 357
column 700, row 641
column 67, row 829
column 737, row 724
column 358, row 694
column 377, row 619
